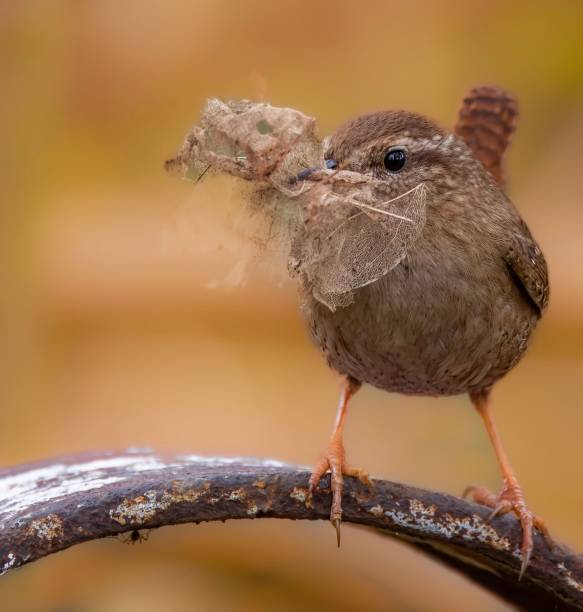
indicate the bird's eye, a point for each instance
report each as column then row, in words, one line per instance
column 395, row 160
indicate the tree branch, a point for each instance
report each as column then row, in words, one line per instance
column 47, row 507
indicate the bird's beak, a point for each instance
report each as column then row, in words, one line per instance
column 331, row 164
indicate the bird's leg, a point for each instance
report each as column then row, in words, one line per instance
column 334, row 458
column 511, row 498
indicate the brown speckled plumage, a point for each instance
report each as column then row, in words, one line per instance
column 457, row 313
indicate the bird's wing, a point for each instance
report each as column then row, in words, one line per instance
column 487, row 119
column 528, row 267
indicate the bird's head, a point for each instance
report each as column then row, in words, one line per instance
column 403, row 149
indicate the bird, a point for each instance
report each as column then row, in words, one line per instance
column 457, row 313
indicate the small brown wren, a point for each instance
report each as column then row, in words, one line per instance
column 457, row 313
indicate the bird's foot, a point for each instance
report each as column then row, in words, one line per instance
column 334, row 461
column 511, row 499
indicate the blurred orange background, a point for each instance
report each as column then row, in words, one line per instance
column 128, row 319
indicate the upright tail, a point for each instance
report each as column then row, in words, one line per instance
column 486, row 122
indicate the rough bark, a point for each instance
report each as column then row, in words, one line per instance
column 47, row 507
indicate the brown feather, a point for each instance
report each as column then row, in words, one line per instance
column 487, row 120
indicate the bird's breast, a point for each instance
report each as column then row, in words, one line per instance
column 432, row 326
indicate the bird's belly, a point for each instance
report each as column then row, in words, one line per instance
column 424, row 340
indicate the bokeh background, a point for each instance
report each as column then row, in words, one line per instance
column 131, row 317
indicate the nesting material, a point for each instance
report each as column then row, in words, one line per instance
column 342, row 229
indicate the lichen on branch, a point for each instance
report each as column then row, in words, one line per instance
column 50, row 506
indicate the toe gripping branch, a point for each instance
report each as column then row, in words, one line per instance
column 334, row 459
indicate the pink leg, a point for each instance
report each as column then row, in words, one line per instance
column 511, row 498
column 334, row 458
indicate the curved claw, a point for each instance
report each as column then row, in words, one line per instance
column 527, row 543
column 319, row 470
column 334, row 462
column 502, row 507
column 337, row 522
column 526, row 554
column 511, row 499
